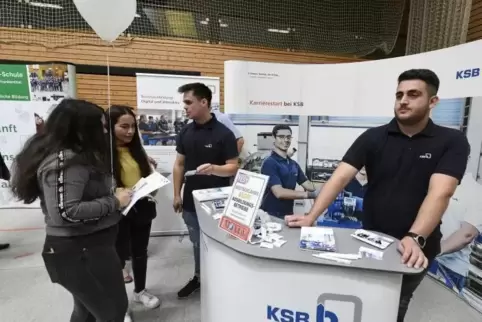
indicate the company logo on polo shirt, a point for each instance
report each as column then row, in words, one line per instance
column 467, row 73
column 243, row 178
column 426, row 156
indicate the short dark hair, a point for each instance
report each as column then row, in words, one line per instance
column 280, row 127
column 425, row 75
column 199, row 90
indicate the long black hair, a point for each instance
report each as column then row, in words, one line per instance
column 74, row 125
column 135, row 147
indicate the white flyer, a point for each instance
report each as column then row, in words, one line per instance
column 144, row 187
column 372, row 238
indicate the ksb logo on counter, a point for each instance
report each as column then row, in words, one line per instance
column 468, row 73
column 277, row 314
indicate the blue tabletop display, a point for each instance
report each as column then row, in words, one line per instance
column 346, row 210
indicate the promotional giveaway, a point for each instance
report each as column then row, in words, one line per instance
column 27, row 95
column 342, row 101
column 161, row 113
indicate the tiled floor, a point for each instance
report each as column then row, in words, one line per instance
column 26, row 293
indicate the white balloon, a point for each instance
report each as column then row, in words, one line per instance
column 108, row 18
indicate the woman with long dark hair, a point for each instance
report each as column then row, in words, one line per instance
column 66, row 167
column 4, row 175
column 130, row 164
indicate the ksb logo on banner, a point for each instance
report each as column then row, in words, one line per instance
column 468, row 73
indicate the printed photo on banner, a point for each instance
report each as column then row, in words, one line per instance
column 28, row 93
column 459, row 265
column 49, row 82
column 161, row 115
column 259, row 140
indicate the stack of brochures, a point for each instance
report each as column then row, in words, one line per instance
column 317, row 238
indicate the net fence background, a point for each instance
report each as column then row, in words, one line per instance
column 437, row 24
column 337, row 27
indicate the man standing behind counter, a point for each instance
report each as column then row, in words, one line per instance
column 284, row 173
column 223, row 118
column 413, row 168
column 210, row 148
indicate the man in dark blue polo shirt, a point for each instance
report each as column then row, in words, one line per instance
column 413, row 168
column 208, row 147
column 284, row 173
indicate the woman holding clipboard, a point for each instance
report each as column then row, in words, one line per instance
column 130, row 164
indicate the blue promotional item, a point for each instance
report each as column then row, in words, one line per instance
column 342, row 213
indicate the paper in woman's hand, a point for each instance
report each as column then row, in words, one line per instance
column 144, row 187
column 190, row 173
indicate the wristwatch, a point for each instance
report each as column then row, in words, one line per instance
column 420, row 240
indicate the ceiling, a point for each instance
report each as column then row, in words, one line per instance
column 350, row 27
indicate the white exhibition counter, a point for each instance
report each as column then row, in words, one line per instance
column 243, row 282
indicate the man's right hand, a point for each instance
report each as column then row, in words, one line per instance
column 298, row 221
column 177, row 204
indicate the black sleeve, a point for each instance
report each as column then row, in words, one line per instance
column 230, row 146
column 454, row 161
column 356, row 155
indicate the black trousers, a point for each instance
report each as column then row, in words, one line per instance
column 132, row 240
column 409, row 285
column 89, row 268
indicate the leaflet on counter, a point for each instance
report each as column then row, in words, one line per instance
column 317, row 238
column 372, row 238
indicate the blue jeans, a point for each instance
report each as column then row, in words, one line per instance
column 192, row 223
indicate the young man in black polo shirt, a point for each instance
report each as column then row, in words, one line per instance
column 210, row 148
column 413, row 168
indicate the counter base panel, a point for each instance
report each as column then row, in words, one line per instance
column 239, row 288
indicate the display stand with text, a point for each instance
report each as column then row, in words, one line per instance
column 161, row 106
column 289, row 284
column 27, row 95
column 341, row 101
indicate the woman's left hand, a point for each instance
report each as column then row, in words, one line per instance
column 152, row 161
